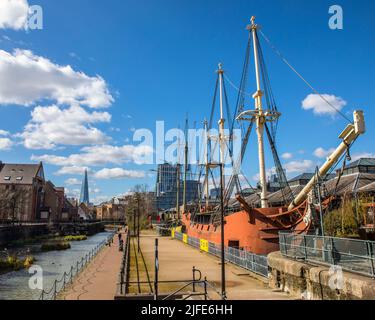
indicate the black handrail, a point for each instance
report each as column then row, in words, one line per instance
column 80, row 264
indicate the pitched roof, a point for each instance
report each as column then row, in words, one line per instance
column 361, row 162
column 308, row 176
column 303, row 176
column 368, row 188
column 19, row 173
column 349, row 183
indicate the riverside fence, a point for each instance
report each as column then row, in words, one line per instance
column 242, row 258
column 352, row 255
column 68, row 277
column 123, row 280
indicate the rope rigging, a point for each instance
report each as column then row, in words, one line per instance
column 271, row 129
column 286, row 191
column 302, row 78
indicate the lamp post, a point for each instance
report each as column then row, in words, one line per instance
column 320, row 201
column 139, row 248
column 134, row 223
column 223, row 293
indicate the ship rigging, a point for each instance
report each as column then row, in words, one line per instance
column 256, row 229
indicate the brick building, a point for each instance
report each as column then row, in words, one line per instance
column 25, row 195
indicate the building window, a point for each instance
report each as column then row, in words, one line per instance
column 19, row 178
column 7, row 178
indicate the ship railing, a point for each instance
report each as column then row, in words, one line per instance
column 240, row 257
column 352, row 255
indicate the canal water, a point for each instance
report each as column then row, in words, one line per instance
column 15, row 285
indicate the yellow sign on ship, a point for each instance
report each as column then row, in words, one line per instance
column 204, row 245
column 185, row 238
column 172, row 232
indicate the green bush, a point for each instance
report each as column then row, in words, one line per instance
column 75, row 238
column 12, row 263
column 28, row 262
column 55, row 246
column 342, row 222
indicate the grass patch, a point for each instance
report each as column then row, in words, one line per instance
column 75, row 238
column 55, row 246
column 138, row 271
column 31, row 240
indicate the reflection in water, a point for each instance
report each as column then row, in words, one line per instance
column 15, row 285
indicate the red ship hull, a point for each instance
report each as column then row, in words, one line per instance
column 254, row 230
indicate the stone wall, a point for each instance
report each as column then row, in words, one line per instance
column 312, row 282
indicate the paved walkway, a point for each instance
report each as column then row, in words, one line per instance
column 177, row 259
column 98, row 281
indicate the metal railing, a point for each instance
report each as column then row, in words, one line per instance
column 68, row 277
column 242, row 258
column 163, row 230
column 190, row 289
column 123, row 280
column 352, row 255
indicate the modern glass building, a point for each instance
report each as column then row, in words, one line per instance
column 84, row 198
column 166, row 187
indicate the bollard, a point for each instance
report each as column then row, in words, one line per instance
column 193, row 278
column 55, row 291
column 205, row 288
column 156, row 269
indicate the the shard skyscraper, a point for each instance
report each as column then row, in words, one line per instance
column 84, row 198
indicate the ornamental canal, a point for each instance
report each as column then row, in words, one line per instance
column 15, row 285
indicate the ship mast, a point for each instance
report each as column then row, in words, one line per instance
column 186, row 154
column 260, row 117
column 220, row 72
column 207, row 163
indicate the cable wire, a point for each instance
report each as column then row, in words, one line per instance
column 302, row 78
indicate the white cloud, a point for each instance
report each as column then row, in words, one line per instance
column 94, row 190
column 299, row 166
column 52, row 126
column 26, row 79
column 315, row 103
column 287, row 155
column 118, row 173
column 4, row 133
column 322, row 153
column 73, row 170
column 13, row 14
column 72, row 182
column 269, row 173
column 357, row 156
column 74, row 193
column 5, row 143
column 97, row 156
column 100, row 199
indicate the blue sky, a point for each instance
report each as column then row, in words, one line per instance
column 141, row 61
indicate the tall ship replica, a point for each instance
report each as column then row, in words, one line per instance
column 244, row 225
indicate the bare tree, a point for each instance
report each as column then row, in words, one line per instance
column 137, row 203
column 11, row 201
